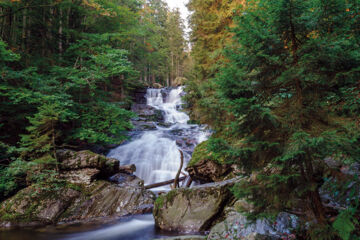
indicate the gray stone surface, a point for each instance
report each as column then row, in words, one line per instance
column 192, row 209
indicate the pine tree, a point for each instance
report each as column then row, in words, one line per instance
column 288, row 60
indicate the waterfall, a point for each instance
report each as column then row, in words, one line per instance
column 156, row 152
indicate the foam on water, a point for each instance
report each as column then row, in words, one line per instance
column 155, row 153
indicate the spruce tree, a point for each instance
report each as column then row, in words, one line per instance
column 288, row 62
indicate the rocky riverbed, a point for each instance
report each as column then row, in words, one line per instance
column 84, row 194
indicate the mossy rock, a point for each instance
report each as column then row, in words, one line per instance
column 201, row 153
column 37, row 203
column 204, row 167
column 192, row 209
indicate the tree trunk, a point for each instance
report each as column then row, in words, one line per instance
column 23, row 35
column 176, row 181
column 60, row 31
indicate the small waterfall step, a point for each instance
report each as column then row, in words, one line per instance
column 155, row 151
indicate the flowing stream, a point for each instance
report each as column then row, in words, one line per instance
column 156, row 155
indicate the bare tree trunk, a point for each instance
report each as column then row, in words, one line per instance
column 60, row 31
column 176, row 181
column 145, row 76
column 12, row 30
column 68, row 26
column 23, row 35
column 44, row 33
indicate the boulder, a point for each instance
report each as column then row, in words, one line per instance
column 127, row 180
column 204, row 168
column 143, row 126
column 208, row 171
column 40, row 204
column 147, row 113
column 71, row 160
column 78, row 194
column 81, row 176
column 157, row 85
column 192, row 209
column 236, row 226
column 104, row 199
column 36, row 205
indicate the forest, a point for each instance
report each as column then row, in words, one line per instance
column 276, row 81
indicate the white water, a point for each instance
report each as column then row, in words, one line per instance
column 155, row 153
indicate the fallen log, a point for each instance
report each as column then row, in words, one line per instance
column 160, row 184
column 127, row 168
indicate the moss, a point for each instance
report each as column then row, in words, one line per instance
column 170, row 196
column 75, row 187
column 201, row 152
column 159, row 202
column 193, row 122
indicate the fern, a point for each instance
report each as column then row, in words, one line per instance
column 345, row 224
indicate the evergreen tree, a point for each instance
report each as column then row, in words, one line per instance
column 288, row 60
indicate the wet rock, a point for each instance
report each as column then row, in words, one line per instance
column 71, row 160
column 142, row 125
column 208, row 171
column 236, row 226
column 109, row 200
column 42, row 205
column 81, row 176
column 148, row 113
column 37, row 205
column 139, row 96
column 165, row 124
column 127, row 180
column 189, row 237
column 192, row 209
column 77, row 195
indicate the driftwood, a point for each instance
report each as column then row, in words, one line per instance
column 176, row 180
column 127, row 168
column 160, row 184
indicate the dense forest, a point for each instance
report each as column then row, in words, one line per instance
column 68, row 70
column 277, row 81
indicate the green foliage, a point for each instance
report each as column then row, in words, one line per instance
column 12, row 178
column 106, row 123
column 287, row 90
column 346, row 223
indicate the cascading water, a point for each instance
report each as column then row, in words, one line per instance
column 157, row 158
column 156, row 153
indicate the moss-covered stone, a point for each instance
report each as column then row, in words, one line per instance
column 202, row 153
column 204, row 167
column 192, row 210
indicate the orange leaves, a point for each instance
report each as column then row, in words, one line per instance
column 102, row 11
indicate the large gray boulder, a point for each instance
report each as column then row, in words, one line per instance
column 40, row 205
column 237, row 226
column 192, row 209
column 109, row 200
